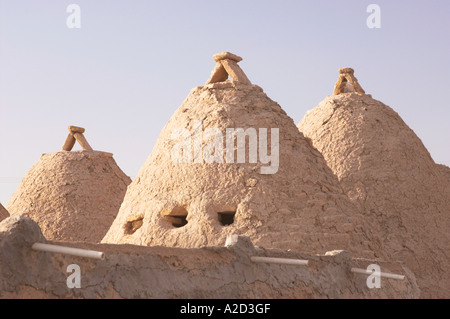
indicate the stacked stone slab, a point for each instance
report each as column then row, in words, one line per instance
column 227, row 66
column 196, row 203
column 76, row 134
column 386, row 170
column 72, row 195
column 3, row 213
column 347, row 83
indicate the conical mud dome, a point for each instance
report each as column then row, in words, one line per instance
column 385, row 169
column 72, row 195
column 3, row 213
column 201, row 182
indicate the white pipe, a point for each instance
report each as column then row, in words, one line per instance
column 68, row 251
column 382, row 274
column 284, row 261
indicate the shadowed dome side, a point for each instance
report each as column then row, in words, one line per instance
column 3, row 213
column 300, row 206
column 73, row 196
column 386, row 170
column 445, row 171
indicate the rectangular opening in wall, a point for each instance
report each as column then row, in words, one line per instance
column 177, row 217
column 226, row 218
column 132, row 226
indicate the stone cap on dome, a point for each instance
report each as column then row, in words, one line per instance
column 226, row 55
column 227, row 65
column 76, row 134
column 347, row 83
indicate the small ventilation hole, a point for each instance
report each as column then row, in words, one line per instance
column 177, row 221
column 131, row 226
column 226, row 218
column 177, row 217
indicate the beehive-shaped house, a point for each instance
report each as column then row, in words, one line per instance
column 72, row 195
column 386, row 170
column 205, row 179
column 3, row 213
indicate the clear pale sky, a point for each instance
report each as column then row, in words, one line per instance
column 132, row 63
